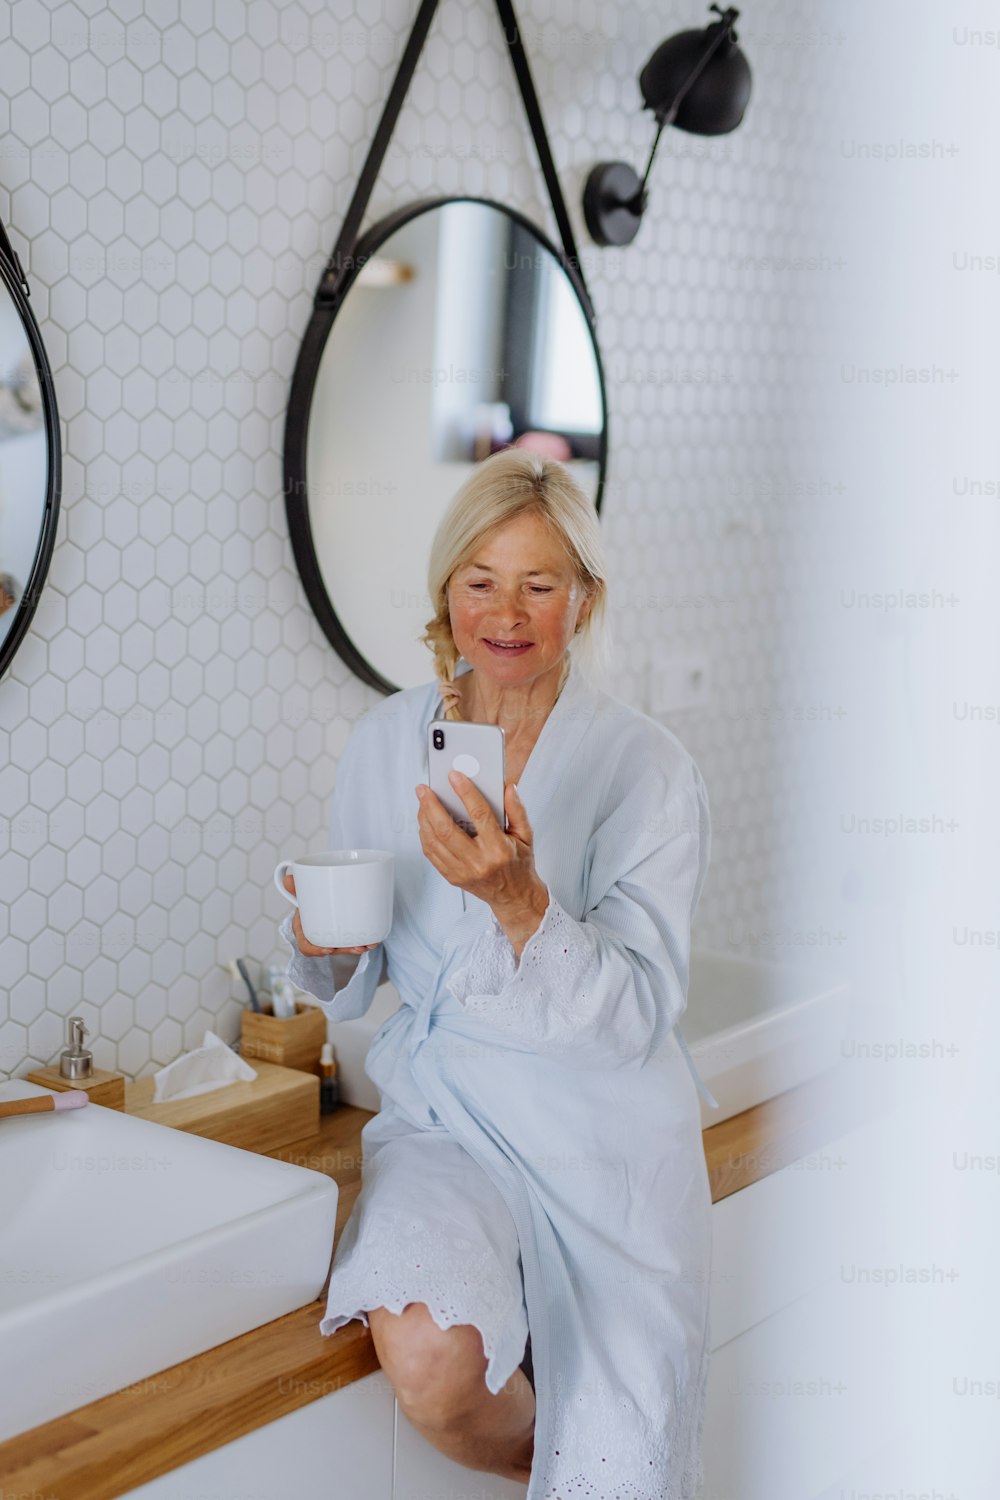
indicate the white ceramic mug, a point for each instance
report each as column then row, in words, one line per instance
column 344, row 896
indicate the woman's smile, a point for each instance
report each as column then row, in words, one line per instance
column 507, row 648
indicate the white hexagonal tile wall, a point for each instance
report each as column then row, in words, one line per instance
column 175, row 204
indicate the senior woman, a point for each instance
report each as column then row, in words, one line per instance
column 536, row 1167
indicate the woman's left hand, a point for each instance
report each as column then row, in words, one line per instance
column 497, row 867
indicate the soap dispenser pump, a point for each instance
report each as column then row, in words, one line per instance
column 77, row 1061
column 76, row 1070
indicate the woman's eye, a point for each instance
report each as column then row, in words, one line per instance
column 536, row 588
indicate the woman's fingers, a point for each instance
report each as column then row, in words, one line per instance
column 517, row 818
column 432, row 813
column 480, row 812
column 309, row 950
column 306, row 948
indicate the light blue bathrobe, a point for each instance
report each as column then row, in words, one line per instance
column 558, row 1082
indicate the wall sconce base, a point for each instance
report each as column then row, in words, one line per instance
column 609, row 203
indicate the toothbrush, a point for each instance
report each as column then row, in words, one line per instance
column 238, row 970
column 44, row 1103
column 282, row 998
column 246, row 980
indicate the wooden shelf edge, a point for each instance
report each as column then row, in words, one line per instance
column 110, row 1446
column 743, row 1149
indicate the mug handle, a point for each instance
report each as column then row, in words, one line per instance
column 279, row 875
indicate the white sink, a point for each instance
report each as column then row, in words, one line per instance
column 126, row 1246
column 755, row 1029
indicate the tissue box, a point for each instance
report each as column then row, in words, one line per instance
column 291, row 1041
column 280, row 1106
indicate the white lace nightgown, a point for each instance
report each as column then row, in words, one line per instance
column 537, row 1162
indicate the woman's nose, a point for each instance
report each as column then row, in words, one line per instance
column 510, row 608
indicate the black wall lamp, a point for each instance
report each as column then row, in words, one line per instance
column 696, row 80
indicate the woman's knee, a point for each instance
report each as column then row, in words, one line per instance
column 436, row 1373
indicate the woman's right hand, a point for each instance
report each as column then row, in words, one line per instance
column 306, row 948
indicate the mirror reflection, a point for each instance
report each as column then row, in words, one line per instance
column 24, row 467
column 461, row 335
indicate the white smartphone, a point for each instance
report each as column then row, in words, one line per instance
column 478, row 751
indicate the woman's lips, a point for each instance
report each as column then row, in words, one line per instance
column 514, row 649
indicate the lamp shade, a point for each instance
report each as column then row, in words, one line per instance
column 717, row 98
column 696, row 80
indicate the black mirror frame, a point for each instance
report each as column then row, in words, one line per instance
column 300, row 406
column 341, row 270
column 16, row 284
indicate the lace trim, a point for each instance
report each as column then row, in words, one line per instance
column 491, row 965
column 556, row 998
column 314, row 975
column 324, row 978
column 557, row 951
column 613, row 1460
column 400, row 1260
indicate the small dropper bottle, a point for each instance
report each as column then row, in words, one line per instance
column 329, row 1084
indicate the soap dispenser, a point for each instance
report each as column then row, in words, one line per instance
column 77, row 1061
column 76, row 1071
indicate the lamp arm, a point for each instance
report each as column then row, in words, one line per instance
column 639, row 201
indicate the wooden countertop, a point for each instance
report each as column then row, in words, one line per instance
column 110, row 1446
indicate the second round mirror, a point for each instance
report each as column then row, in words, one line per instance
column 461, row 332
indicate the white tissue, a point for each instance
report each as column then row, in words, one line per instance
column 210, row 1066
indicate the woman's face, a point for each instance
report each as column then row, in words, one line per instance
column 520, row 586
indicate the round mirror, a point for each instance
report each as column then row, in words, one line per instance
column 29, row 459
column 458, row 329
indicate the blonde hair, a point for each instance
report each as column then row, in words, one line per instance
column 511, row 483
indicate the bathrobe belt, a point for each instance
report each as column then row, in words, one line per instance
column 699, row 1082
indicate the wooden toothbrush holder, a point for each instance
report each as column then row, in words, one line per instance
column 290, row 1041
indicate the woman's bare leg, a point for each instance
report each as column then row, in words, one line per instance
column 438, row 1377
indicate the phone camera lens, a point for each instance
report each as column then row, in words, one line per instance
column 439, row 739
